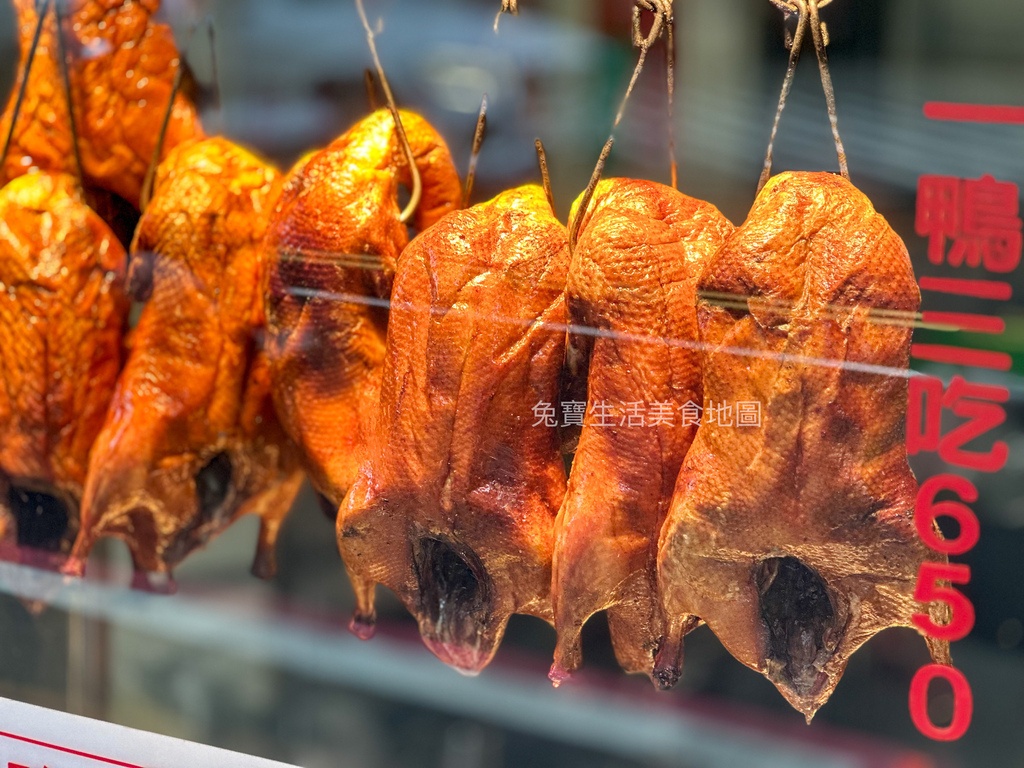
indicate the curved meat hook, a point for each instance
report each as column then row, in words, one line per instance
column 417, row 182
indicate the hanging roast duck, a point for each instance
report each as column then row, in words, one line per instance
column 631, row 297
column 792, row 535
column 63, row 306
column 454, row 503
column 40, row 137
column 120, row 66
column 62, row 314
column 331, row 249
column 191, row 441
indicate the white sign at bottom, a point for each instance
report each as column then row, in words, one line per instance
column 32, row 737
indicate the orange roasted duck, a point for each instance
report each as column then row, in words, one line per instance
column 62, row 314
column 631, row 298
column 331, row 250
column 191, row 441
column 793, row 537
column 454, row 507
column 41, row 139
column 121, row 67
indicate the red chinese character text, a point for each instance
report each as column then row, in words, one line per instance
column 981, row 216
column 978, row 403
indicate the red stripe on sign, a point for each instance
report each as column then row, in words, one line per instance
column 66, row 750
column 973, row 113
column 974, row 358
column 979, row 289
column 963, row 321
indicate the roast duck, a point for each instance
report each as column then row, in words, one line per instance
column 41, row 139
column 62, row 266
column 793, row 539
column 121, row 67
column 191, row 441
column 331, row 249
column 62, row 314
column 453, row 507
column 631, row 298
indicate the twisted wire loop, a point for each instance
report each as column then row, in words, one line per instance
column 807, row 15
column 664, row 23
column 507, row 6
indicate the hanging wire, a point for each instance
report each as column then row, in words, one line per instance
column 146, row 193
column 820, row 34
column 663, row 18
column 807, row 16
column 371, row 89
column 417, row 182
column 218, row 101
column 62, row 55
column 507, row 6
column 670, row 76
column 474, row 156
column 542, row 160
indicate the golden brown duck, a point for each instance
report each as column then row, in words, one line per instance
column 453, row 508
column 121, row 67
column 191, row 441
column 793, row 538
column 42, row 136
column 62, row 314
column 631, row 296
column 331, row 250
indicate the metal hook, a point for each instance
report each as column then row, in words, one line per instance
column 478, row 140
column 62, row 54
column 417, row 182
column 542, row 160
column 146, row 193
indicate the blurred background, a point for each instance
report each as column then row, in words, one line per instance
column 268, row 668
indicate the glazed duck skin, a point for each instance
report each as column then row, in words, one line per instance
column 632, row 291
column 454, row 507
column 121, row 64
column 62, row 314
column 794, row 539
column 331, row 250
column 42, row 136
column 191, row 442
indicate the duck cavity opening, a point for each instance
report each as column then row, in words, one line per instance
column 454, row 592
column 43, row 518
column 213, row 484
column 213, row 491
column 799, row 618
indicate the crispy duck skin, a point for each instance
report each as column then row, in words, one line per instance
column 794, row 540
column 42, row 137
column 331, row 250
column 191, row 442
column 631, row 297
column 62, row 314
column 454, row 507
column 121, row 64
